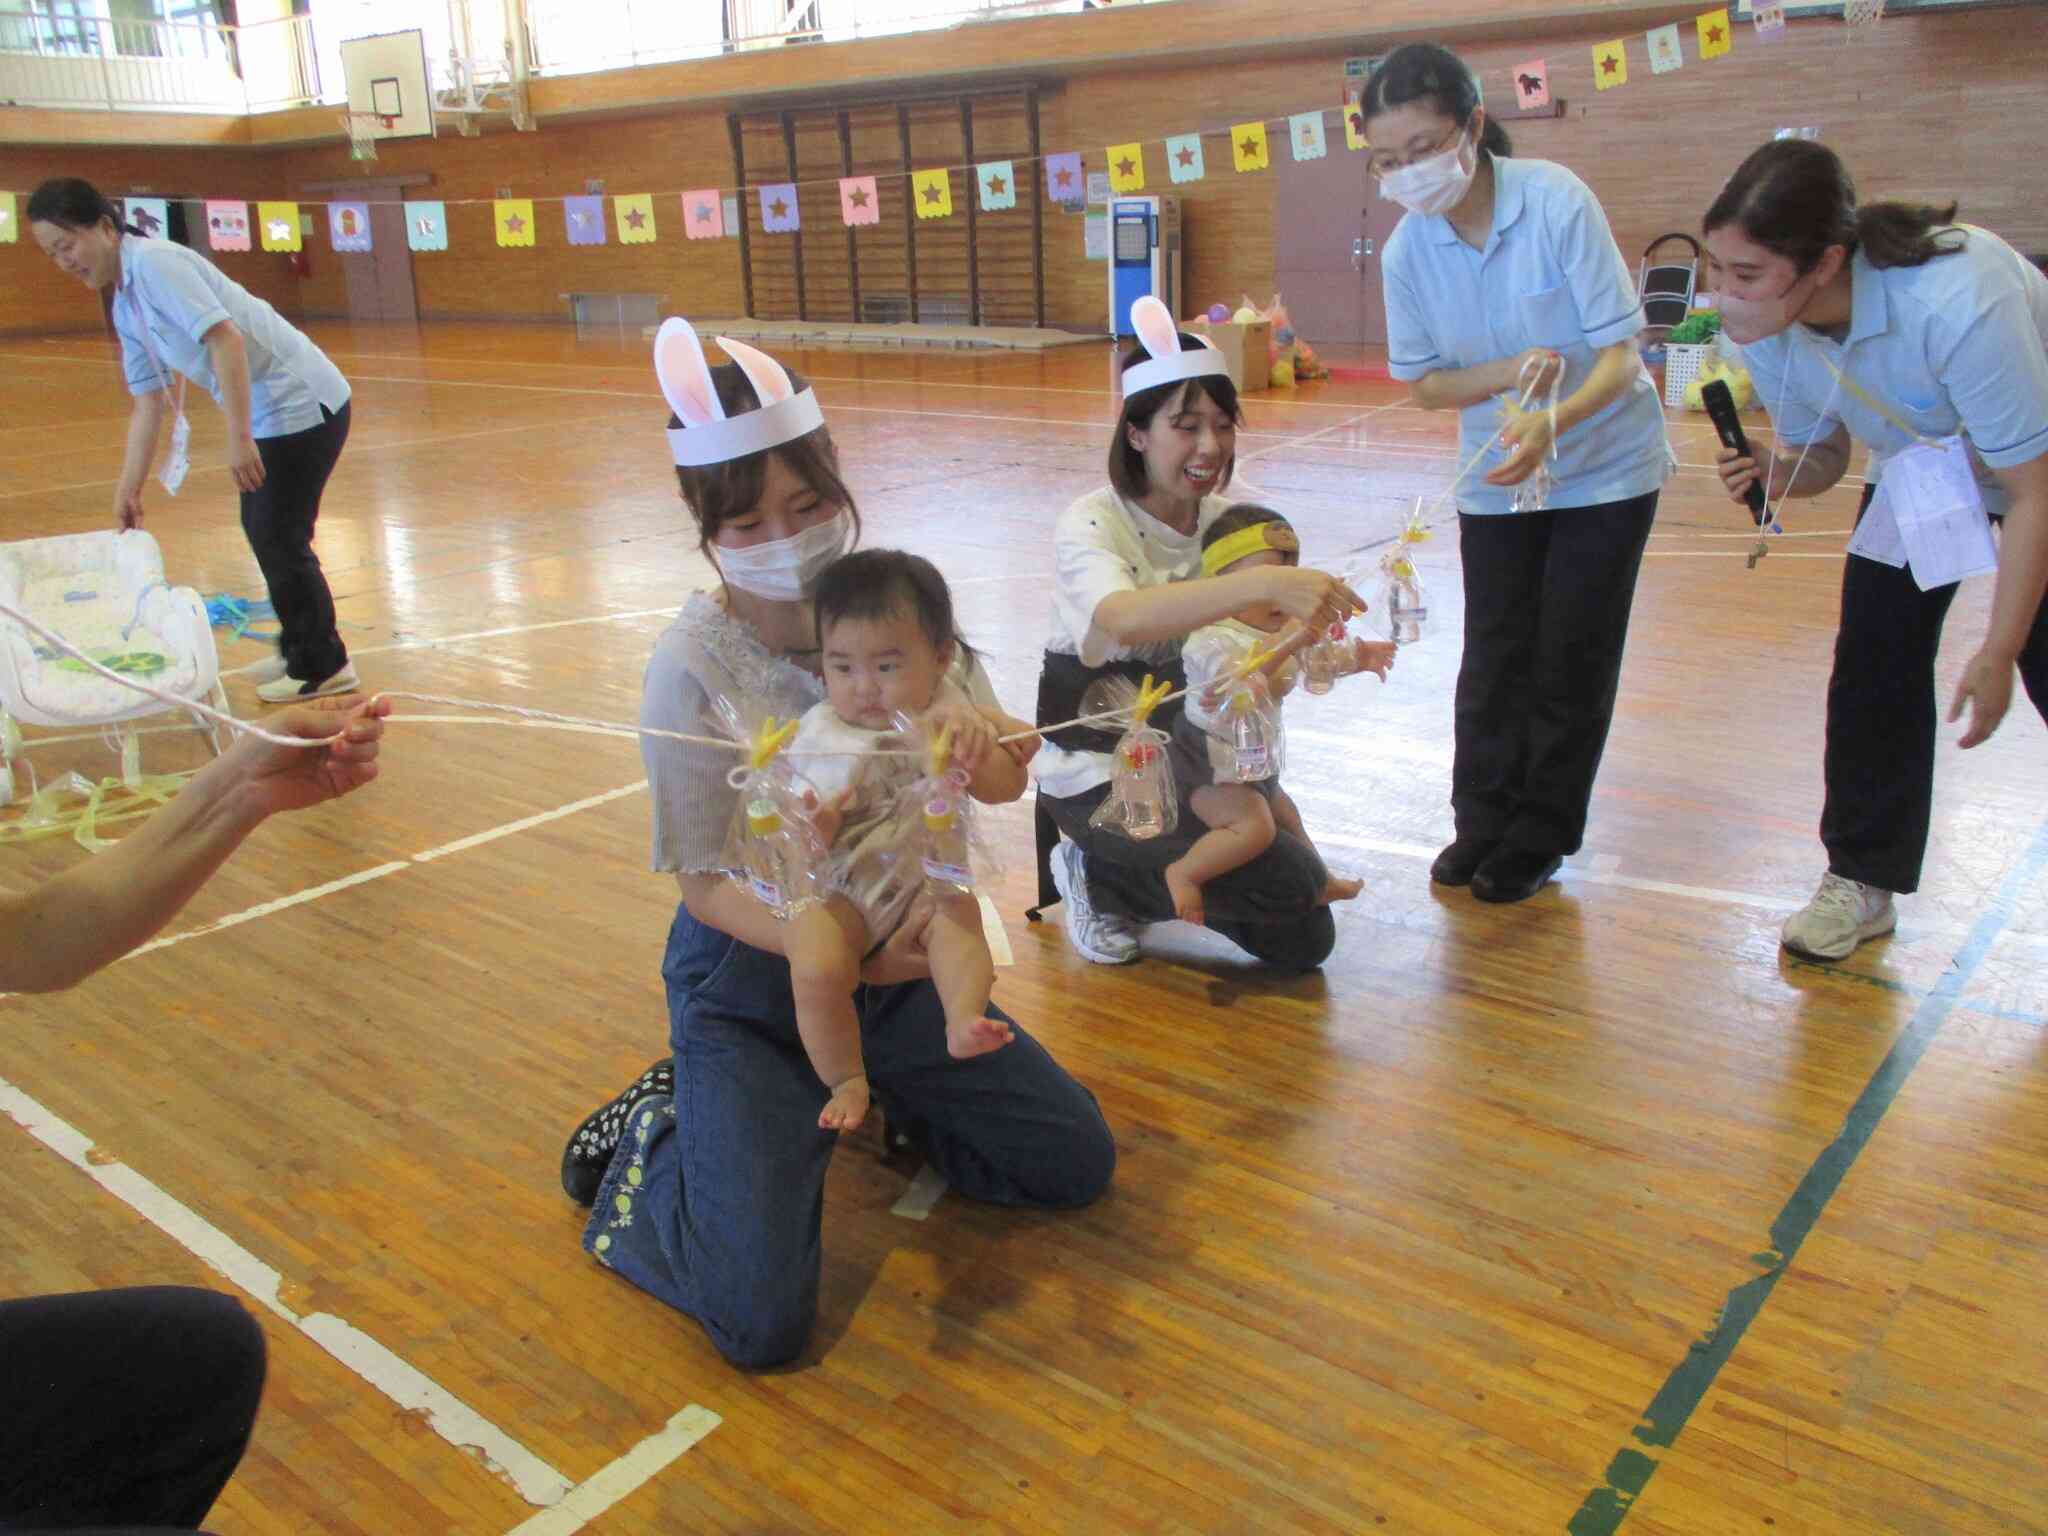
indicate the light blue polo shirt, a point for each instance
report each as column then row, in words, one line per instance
column 1957, row 344
column 1550, row 276
column 178, row 296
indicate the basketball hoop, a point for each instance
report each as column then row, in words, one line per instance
column 1861, row 17
column 362, row 132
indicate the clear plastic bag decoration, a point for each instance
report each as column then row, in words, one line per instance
column 1401, row 605
column 1533, row 494
column 1143, row 800
column 772, row 847
column 936, row 813
column 1326, row 659
column 1258, row 748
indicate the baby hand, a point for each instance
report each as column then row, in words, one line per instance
column 1375, row 656
column 827, row 818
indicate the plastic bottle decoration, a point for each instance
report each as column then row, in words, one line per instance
column 1533, row 494
column 1325, row 661
column 948, row 863
column 1143, row 801
column 773, row 849
column 1254, row 718
column 1402, row 609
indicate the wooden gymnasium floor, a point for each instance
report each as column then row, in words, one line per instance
column 1470, row 1233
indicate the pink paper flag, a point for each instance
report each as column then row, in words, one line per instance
column 859, row 203
column 703, row 216
column 227, row 226
column 1532, row 83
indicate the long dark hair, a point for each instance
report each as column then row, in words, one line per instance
column 72, row 204
column 1430, row 72
column 718, row 493
column 888, row 584
column 1794, row 197
column 1126, row 463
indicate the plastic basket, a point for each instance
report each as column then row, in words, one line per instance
column 1683, row 362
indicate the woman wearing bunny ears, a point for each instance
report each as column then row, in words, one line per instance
column 1503, row 281
column 708, row 1172
column 1128, row 590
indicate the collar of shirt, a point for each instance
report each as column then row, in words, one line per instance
column 1870, row 307
column 1508, row 202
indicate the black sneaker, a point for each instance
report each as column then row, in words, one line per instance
column 1514, row 874
column 591, row 1145
column 1458, row 863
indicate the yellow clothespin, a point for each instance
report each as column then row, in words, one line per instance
column 941, row 753
column 1150, row 695
column 1254, row 659
column 769, row 739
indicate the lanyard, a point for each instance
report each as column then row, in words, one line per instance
column 1877, row 405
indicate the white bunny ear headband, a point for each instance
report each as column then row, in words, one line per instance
column 707, row 435
column 1167, row 363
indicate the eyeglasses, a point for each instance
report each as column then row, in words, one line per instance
column 1386, row 165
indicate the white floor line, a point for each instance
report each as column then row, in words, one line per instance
column 587, row 1500
column 511, row 629
column 992, row 925
column 528, row 823
column 923, row 1194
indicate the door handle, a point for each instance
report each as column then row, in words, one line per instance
column 1361, row 252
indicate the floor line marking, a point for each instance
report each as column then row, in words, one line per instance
column 600, row 1492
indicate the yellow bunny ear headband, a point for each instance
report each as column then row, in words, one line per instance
column 1233, row 547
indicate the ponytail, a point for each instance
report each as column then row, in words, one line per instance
column 1794, row 197
column 1494, row 139
column 1905, row 234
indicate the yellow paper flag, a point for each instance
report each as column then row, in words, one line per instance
column 513, row 217
column 1610, row 64
column 634, row 214
column 1248, row 146
column 932, row 192
column 1714, row 33
column 1354, row 122
column 1126, row 167
column 279, row 223
column 10, row 231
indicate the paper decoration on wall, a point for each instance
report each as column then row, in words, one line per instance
column 1064, row 181
column 634, row 214
column 1248, row 146
column 10, row 227
column 426, row 226
column 859, row 202
column 1354, row 121
column 151, row 215
column 1770, row 23
column 277, row 224
column 1665, row 54
column 931, row 192
column 1610, row 64
column 1127, row 167
column 348, row 226
column 583, row 220
column 1184, row 157
column 1714, row 33
column 227, row 226
column 1532, row 83
column 702, row 214
column 780, row 213
column 1305, row 136
column 997, row 181
column 513, row 217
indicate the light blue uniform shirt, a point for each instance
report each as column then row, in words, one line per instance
column 169, row 297
column 1956, row 345
column 1550, row 276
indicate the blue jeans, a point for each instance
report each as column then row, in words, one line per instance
column 715, row 1203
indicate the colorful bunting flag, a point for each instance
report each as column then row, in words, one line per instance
column 1248, row 146
column 634, row 212
column 513, row 217
column 1532, row 83
column 1354, row 121
column 932, row 193
column 426, row 226
column 583, row 220
column 701, row 214
column 227, row 226
column 1184, row 157
column 1714, row 33
column 1665, row 54
column 151, row 215
column 998, row 183
column 1610, row 64
column 348, row 226
column 1064, row 181
column 278, row 226
column 1305, row 136
column 1126, row 167
column 1770, row 23
column 780, row 212
column 859, row 201
column 10, row 231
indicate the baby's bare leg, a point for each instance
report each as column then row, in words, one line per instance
column 964, row 973
column 1287, row 816
column 824, row 944
column 1240, row 827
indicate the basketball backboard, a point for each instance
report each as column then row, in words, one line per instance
column 387, row 75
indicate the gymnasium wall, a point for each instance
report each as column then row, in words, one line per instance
column 1932, row 105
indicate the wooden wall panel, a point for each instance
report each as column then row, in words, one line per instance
column 883, row 251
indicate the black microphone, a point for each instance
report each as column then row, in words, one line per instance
column 1721, row 411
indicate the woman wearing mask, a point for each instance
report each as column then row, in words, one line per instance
column 1504, row 279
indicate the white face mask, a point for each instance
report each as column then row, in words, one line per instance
column 784, row 570
column 1748, row 320
column 1435, row 185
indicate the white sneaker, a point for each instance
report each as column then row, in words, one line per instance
column 287, row 689
column 1096, row 936
column 1842, row 914
column 268, row 670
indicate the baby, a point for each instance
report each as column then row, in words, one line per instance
column 1227, row 743
column 888, row 642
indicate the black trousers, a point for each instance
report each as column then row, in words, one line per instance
column 279, row 520
column 1882, row 718
column 1547, row 600
column 1269, row 908
column 123, row 1410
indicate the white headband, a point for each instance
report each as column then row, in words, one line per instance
column 1167, row 364
column 735, row 437
column 709, row 436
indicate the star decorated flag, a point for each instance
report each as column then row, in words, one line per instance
column 1064, row 181
column 932, row 193
column 1248, row 146
column 1770, row 23
column 426, row 226
column 1127, row 167
column 151, row 215
column 1305, row 136
column 227, row 226
column 348, row 226
column 1354, row 121
column 1184, row 157
column 1714, row 33
column 10, row 227
column 859, row 201
column 633, row 212
column 1532, row 83
column 702, row 219
column 513, row 217
column 278, row 226
column 1665, row 54
column 1610, row 64
column 583, row 220
column 998, row 183
column 780, row 214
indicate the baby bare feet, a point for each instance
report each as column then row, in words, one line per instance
column 1341, row 890
column 977, row 1037
column 1186, row 894
column 847, row 1107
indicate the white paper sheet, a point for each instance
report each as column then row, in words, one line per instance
column 1939, row 510
column 1877, row 534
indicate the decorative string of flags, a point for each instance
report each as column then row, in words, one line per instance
column 635, row 218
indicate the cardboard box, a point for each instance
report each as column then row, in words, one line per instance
column 1247, row 348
